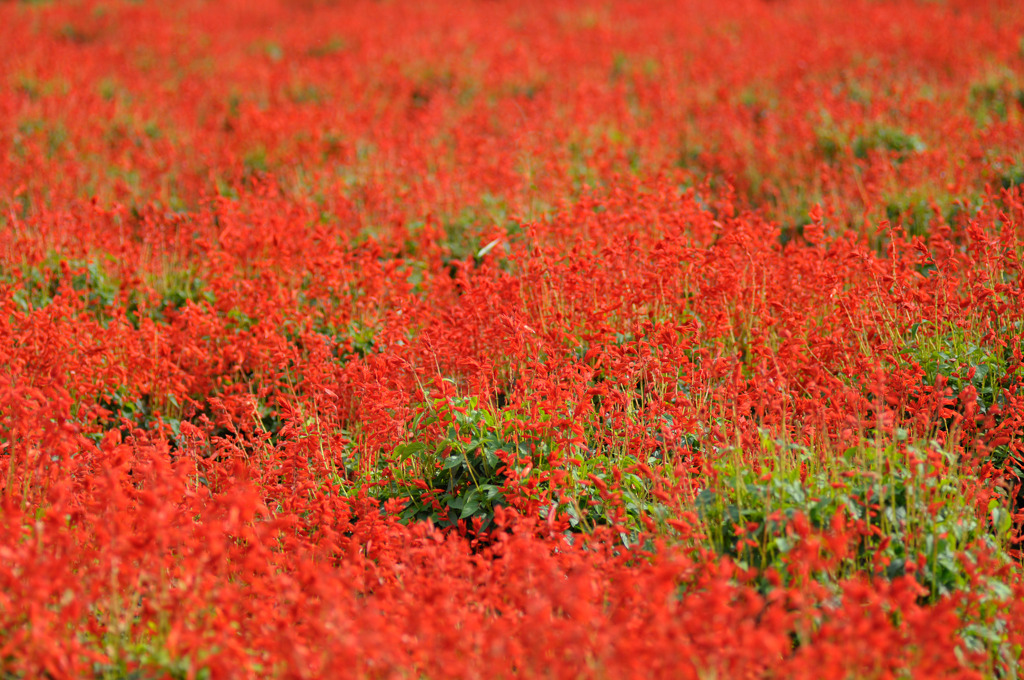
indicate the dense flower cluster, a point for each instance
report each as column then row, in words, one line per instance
column 463, row 339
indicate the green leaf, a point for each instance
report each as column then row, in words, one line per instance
column 471, row 506
column 490, row 458
column 1002, row 522
column 405, row 451
column 490, row 490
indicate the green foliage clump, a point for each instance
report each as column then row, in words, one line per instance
column 896, row 505
column 464, row 468
column 36, row 286
column 887, row 139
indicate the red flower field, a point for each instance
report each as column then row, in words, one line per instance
column 491, row 339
